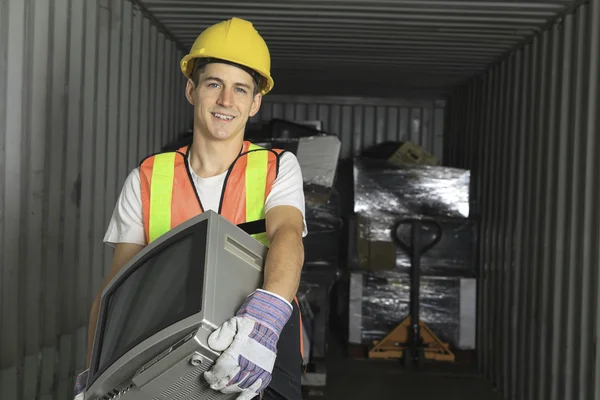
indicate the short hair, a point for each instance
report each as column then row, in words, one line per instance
column 201, row 63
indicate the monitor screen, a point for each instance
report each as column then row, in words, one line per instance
column 162, row 288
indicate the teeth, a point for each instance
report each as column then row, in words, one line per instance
column 221, row 116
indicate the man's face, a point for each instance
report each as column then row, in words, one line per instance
column 223, row 101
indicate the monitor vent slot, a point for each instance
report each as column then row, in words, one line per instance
column 115, row 394
column 238, row 250
column 192, row 387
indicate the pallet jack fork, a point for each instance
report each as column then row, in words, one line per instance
column 412, row 340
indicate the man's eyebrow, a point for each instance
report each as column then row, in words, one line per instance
column 244, row 85
column 214, row 78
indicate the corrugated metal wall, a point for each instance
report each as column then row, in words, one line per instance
column 87, row 88
column 362, row 122
column 529, row 131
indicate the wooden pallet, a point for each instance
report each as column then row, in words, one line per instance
column 357, row 351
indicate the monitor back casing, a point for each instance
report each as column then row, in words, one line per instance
column 168, row 365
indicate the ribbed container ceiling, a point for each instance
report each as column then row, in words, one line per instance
column 321, row 46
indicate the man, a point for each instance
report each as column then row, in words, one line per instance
column 228, row 71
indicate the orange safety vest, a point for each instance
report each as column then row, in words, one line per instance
column 169, row 197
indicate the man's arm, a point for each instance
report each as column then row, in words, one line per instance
column 285, row 257
column 123, row 253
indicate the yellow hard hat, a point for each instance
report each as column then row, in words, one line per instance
column 235, row 41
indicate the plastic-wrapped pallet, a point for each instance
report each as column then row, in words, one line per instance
column 382, row 188
column 385, row 193
column 453, row 255
column 380, row 301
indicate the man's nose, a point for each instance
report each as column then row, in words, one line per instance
column 226, row 98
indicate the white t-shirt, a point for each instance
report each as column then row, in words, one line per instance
column 127, row 225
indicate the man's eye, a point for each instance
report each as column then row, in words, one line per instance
column 213, row 85
column 241, row 90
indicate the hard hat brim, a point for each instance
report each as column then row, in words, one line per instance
column 187, row 66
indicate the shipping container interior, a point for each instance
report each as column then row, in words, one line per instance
column 503, row 92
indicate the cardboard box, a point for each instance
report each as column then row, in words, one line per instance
column 411, row 153
column 373, row 254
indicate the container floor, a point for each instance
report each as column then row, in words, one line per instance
column 349, row 378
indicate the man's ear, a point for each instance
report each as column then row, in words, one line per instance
column 256, row 104
column 189, row 91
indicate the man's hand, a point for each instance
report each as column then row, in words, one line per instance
column 249, row 345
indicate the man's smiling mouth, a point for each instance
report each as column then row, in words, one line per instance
column 223, row 116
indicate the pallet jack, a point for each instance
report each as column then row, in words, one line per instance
column 413, row 341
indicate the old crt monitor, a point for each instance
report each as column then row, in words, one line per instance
column 156, row 315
